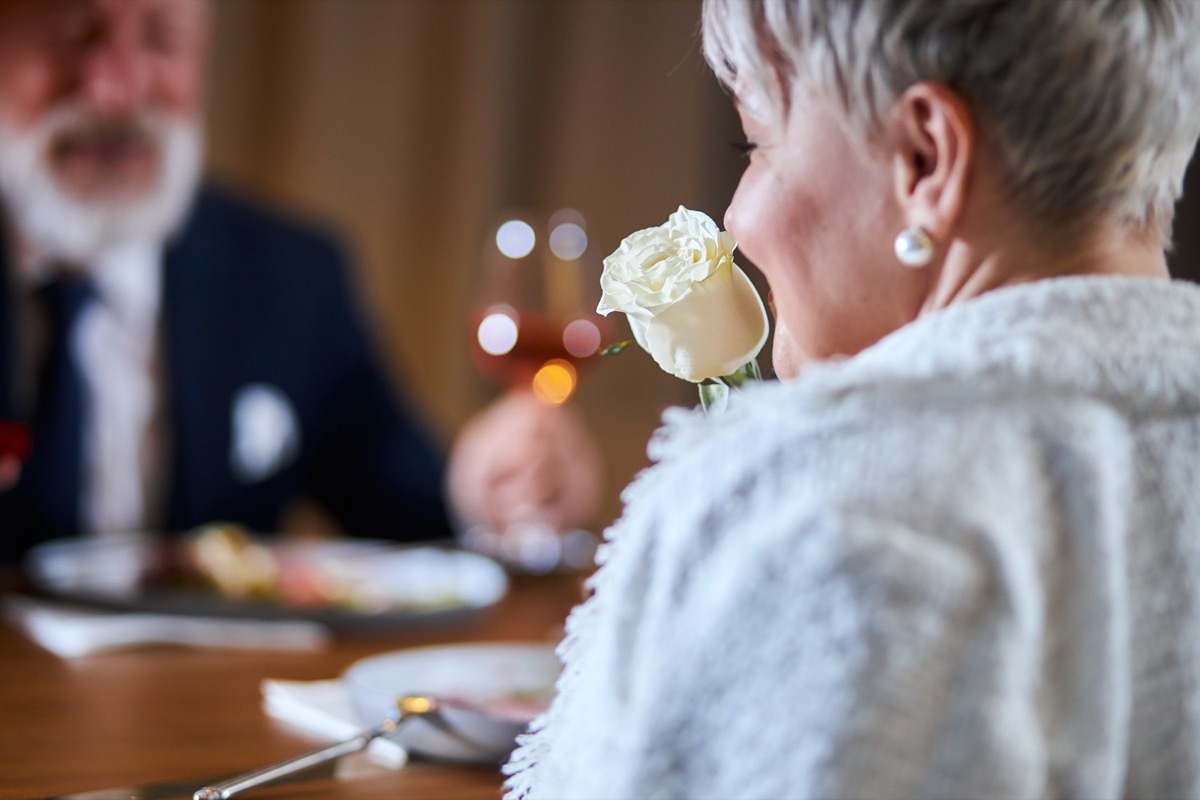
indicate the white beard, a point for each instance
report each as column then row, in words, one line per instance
column 57, row 223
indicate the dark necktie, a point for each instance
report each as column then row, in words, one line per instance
column 53, row 475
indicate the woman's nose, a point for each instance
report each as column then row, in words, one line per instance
column 731, row 216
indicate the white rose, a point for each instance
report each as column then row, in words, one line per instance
column 688, row 304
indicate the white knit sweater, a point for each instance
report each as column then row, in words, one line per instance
column 965, row 563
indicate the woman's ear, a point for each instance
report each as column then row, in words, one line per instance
column 934, row 146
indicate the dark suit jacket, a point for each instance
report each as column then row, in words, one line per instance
column 251, row 299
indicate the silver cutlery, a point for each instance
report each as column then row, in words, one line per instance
column 406, row 707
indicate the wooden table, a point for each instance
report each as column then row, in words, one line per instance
column 150, row 715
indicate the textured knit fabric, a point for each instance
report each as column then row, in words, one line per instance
column 964, row 563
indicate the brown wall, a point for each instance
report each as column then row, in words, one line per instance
column 409, row 124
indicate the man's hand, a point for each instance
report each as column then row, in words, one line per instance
column 520, row 464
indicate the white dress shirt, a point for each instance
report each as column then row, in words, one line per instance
column 118, row 345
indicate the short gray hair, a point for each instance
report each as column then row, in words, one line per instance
column 1093, row 105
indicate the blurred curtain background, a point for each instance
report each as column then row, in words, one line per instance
column 409, row 125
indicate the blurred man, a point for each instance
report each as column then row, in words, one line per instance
column 181, row 355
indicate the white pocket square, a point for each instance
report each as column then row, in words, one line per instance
column 266, row 437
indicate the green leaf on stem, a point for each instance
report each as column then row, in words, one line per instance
column 613, row 349
column 713, row 397
column 746, row 372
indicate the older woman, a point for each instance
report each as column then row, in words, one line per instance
column 956, row 551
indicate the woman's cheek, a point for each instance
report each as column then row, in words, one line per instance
column 786, row 357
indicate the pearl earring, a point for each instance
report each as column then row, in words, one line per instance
column 913, row 247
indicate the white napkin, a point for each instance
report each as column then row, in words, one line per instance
column 70, row 631
column 323, row 708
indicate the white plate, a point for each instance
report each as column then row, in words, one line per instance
column 398, row 585
column 473, row 672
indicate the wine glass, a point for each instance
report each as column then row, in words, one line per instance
column 535, row 328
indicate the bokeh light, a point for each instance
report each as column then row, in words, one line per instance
column 564, row 215
column 568, row 241
column 555, row 382
column 581, row 338
column 515, row 238
column 497, row 332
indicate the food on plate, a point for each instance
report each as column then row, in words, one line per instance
column 225, row 558
column 520, row 707
column 224, row 555
column 224, row 569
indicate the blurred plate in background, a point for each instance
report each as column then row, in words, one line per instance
column 376, row 584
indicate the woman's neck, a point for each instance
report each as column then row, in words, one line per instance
column 976, row 265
